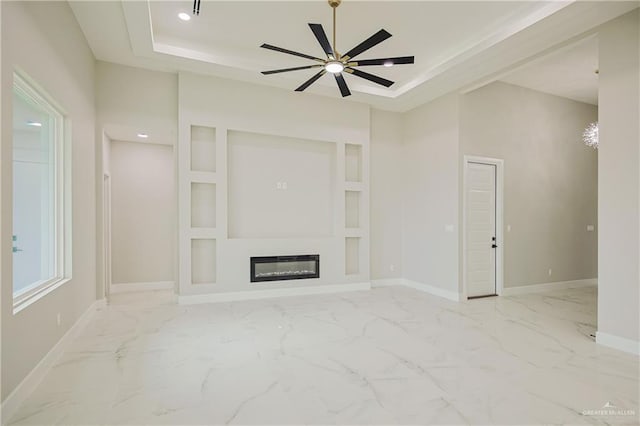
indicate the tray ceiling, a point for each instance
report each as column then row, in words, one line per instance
column 456, row 43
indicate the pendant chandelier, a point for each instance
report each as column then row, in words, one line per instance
column 591, row 135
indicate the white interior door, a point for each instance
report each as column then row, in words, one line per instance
column 481, row 234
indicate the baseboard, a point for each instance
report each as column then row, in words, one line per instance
column 271, row 293
column 12, row 403
column 386, row 282
column 130, row 287
column 560, row 285
column 436, row 291
column 619, row 343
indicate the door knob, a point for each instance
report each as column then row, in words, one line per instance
column 493, row 246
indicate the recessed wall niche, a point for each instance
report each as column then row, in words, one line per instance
column 280, row 187
column 203, row 149
column 203, row 205
column 352, row 256
column 352, row 209
column 203, row 261
column 353, row 162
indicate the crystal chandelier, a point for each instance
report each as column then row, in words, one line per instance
column 590, row 135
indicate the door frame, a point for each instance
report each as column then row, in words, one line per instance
column 499, row 163
column 106, row 232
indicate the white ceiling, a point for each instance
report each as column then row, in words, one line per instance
column 433, row 32
column 569, row 72
column 456, row 43
column 155, row 135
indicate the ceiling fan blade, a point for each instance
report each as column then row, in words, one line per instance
column 394, row 61
column 344, row 89
column 382, row 81
column 311, row 81
column 375, row 39
column 321, row 36
column 290, row 52
column 290, row 69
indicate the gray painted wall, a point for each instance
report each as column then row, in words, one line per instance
column 429, row 168
column 551, row 179
column 386, row 194
column 138, row 99
column 619, row 185
column 143, row 219
column 44, row 40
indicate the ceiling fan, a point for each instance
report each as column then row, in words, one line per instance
column 335, row 63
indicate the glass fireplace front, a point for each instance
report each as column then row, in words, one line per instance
column 278, row 268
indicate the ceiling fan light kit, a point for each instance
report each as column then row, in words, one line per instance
column 335, row 63
column 334, row 66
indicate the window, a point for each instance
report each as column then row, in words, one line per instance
column 40, row 199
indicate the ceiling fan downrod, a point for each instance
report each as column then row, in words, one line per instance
column 334, row 5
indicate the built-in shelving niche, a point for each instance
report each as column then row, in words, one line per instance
column 203, row 205
column 353, row 162
column 203, row 261
column 202, row 181
column 352, row 256
column 353, row 222
column 352, row 209
column 203, row 149
column 206, row 178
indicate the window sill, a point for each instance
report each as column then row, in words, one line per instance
column 22, row 301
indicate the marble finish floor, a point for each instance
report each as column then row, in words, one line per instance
column 391, row 355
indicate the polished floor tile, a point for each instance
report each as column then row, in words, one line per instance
column 387, row 356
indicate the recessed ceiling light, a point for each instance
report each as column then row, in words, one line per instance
column 184, row 16
column 143, row 135
column 334, row 67
column 34, row 123
column 388, row 64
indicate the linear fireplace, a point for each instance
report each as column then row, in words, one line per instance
column 277, row 268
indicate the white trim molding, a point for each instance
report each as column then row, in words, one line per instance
column 559, row 285
column 436, row 291
column 387, row 282
column 617, row 342
column 57, row 233
column 271, row 293
column 426, row 288
column 12, row 403
column 143, row 286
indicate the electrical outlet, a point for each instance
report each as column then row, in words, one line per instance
column 279, row 185
column 59, row 319
column 508, row 228
column 284, row 185
column 550, row 271
column 392, row 267
column 590, row 228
